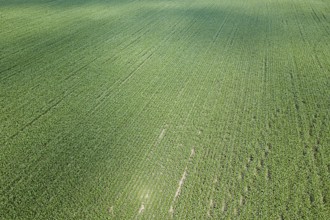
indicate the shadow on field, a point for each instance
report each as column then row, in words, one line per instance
column 204, row 20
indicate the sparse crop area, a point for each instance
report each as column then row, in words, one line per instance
column 164, row 109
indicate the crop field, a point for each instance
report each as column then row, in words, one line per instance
column 164, row 109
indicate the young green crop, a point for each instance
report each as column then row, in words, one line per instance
column 146, row 109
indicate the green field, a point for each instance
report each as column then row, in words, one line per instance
column 164, row 109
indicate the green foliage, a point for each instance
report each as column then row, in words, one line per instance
column 151, row 109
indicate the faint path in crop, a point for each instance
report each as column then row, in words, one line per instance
column 181, row 182
column 188, row 115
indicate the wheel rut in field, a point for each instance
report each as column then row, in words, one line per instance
column 45, row 112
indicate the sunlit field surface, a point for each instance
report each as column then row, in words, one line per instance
column 164, row 109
